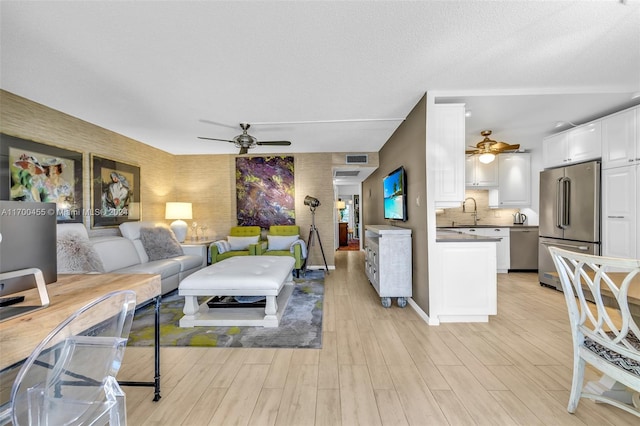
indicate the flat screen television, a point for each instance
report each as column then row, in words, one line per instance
column 395, row 195
column 27, row 240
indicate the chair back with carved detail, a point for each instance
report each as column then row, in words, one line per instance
column 600, row 293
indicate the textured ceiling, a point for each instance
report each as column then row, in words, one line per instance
column 153, row 71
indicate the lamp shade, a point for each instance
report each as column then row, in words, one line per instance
column 340, row 204
column 178, row 211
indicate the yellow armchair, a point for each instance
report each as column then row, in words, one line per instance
column 242, row 241
column 284, row 240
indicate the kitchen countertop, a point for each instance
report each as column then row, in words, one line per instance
column 451, row 236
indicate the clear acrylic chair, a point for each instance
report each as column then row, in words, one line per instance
column 605, row 333
column 69, row 379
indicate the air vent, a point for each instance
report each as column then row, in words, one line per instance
column 346, row 173
column 357, row 159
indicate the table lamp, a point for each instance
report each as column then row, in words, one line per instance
column 179, row 211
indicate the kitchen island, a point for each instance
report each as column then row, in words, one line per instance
column 465, row 279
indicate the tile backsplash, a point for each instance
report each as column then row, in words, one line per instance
column 486, row 216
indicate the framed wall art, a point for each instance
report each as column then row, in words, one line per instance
column 265, row 191
column 115, row 192
column 32, row 171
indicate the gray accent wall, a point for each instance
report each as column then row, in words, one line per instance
column 406, row 147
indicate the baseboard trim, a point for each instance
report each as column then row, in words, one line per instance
column 422, row 314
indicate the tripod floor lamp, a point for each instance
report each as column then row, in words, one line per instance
column 313, row 202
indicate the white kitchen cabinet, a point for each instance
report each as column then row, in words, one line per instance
column 464, row 288
column 388, row 263
column 621, row 139
column 503, row 247
column 554, row 150
column 514, row 181
column 585, row 142
column 446, row 136
column 621, row 212
column 576, row 145
column 480, row 175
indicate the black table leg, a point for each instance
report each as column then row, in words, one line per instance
column 156, row 379
column 156, row 344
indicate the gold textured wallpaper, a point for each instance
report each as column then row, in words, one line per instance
column 207, row 181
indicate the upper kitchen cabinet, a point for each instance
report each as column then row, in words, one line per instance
column 480, row 175
column 621, row 139
column 585, row 142
column 446, row 130
column 579, row 144
column 514, row 178
column 554, row 150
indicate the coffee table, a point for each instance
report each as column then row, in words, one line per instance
column 269, row 276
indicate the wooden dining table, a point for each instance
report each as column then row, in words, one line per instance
column 20, row 335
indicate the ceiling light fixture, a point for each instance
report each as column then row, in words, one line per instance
column 562, row 123
column 487, row 157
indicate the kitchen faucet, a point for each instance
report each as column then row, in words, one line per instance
column 475, row 209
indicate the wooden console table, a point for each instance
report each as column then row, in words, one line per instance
column 20, row 335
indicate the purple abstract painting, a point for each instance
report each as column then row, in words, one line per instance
column 265, row 191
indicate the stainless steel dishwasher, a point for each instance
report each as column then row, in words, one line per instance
column 523, row 248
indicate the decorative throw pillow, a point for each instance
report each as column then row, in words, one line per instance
column 76, row 255
column 242, row 243
column 160, row 243
column 281, row 242
column 222, row 245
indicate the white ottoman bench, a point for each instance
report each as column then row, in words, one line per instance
column 268, row 276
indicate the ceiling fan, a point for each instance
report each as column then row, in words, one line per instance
column 245, row 141
column 488, row 148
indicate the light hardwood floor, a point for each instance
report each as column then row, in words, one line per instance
column 382, row 366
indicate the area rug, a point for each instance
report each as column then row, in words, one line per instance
column 300, row 326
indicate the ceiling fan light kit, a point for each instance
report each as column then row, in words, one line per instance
column 488, row 148
column 486, row 158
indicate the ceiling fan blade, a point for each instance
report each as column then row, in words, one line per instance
column 475, row 151
column 235, row 127
column 512, row 147
column 498, row 146
column 501, row 146
column 244, row 150
column 281, row 143
column 214, row 139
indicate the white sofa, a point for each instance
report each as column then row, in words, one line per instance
column 126, row 254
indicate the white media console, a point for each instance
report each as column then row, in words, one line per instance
column 388, row 262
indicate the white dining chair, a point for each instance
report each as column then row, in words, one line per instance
column 605, row 334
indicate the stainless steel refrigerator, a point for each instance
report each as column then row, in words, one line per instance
column 569, row 214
